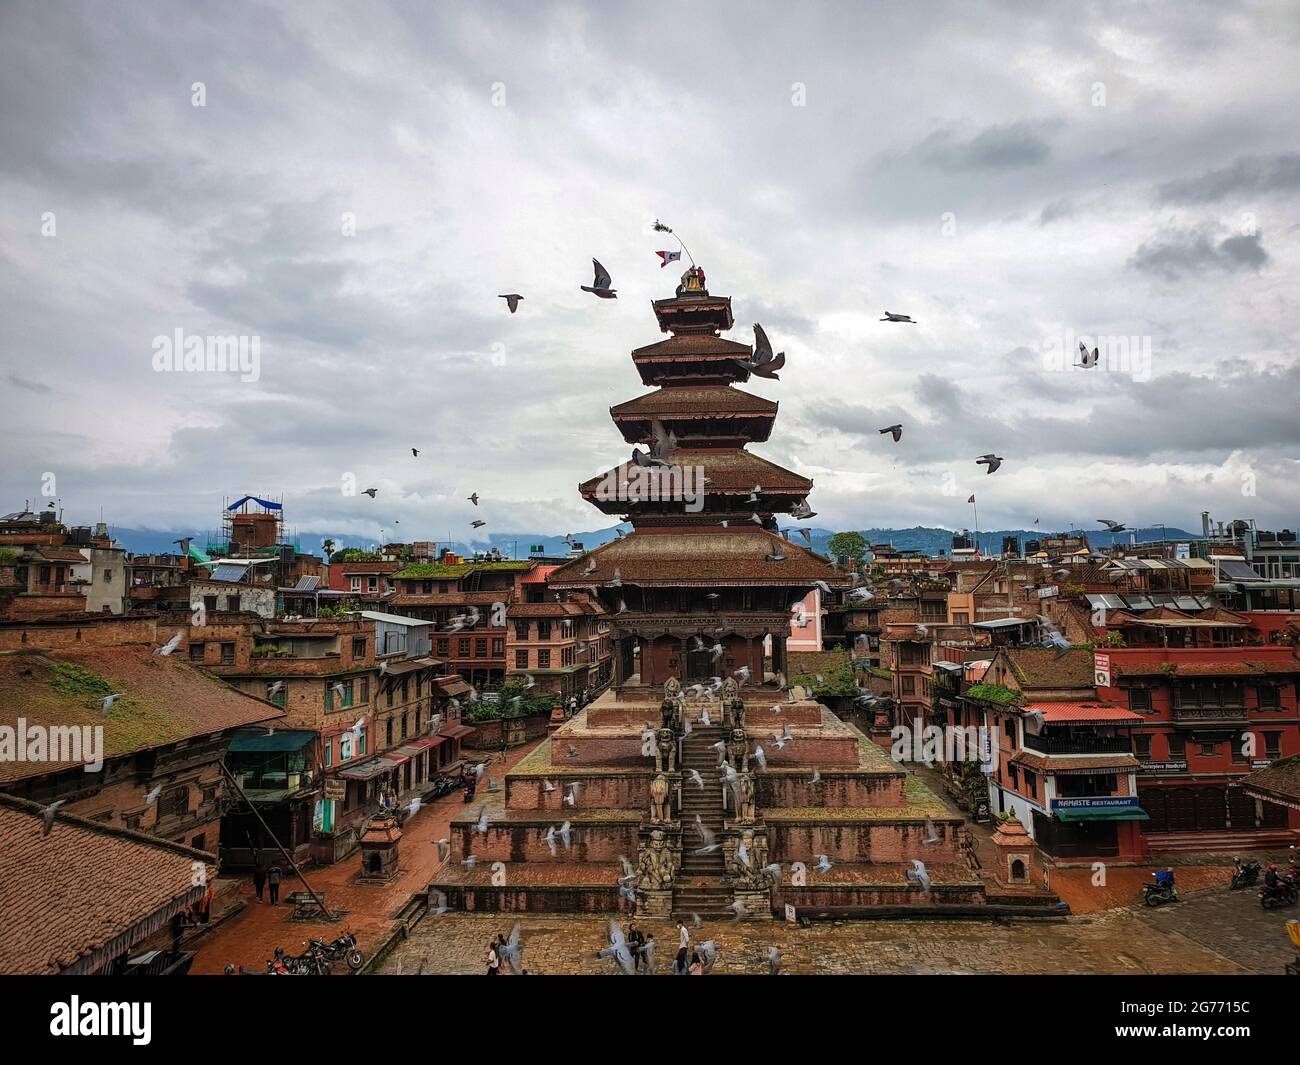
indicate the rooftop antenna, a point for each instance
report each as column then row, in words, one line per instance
column 661, row 228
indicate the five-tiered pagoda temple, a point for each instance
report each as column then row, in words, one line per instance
column 705, row 564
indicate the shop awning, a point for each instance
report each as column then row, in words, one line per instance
column 288, row 740
column 454, row 732
column 452, row 685
column 416, row 746
column 370, row 769
column 1128, row 813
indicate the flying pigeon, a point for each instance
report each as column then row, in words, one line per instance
column 802, row 511
column 170, row 645
column 444, row 849
column 896, row 431
column 415, row 452
column 47, row 816
column 478, row 523
column 513, row 951
column 1113, row 526
column 600, row 284
column 918, row 873
column 823, row 864
column 106, row 703
column 696, row 779
column 618, row 949
column 931, row 836
column 151, row 796
column 184, row 542
column 773, row 961
column 437, row 902
column 990, row 460
column 483, row 821
column 1089, row 360
column 764, row 363
column 777, row 555
column 760, row 757
column 371, row 492
column 512, row 301
column 890, row 316
column 473, row 498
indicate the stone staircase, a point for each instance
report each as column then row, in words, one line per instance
column 701, row 886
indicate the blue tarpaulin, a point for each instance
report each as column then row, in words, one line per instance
column 266, row 503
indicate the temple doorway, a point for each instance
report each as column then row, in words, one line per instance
column 699, row 665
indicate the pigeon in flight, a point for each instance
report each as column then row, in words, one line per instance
column 931, row 836
column 823, row 864
column 478, row 523
column 106, row 703
column 990, row 460
column 371, row 492
column 890, row 316
column 896, row 431
column 473, row 498
column 170, row 645
column 773, row 961
column 918, row 873
column 1113, row 526
column 47, row 816
column 600, row 285
column 618, row 949
column 764, row 363
column 512, row 301
column 513, row 951
column 1089, row 359
column 151, row 796
column 802, row 511
column 777, row 555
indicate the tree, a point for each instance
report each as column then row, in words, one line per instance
column 848, row 547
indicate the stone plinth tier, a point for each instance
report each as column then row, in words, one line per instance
column 517, row 835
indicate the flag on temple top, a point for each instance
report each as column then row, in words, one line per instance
column 971, row 499
column 667, row 257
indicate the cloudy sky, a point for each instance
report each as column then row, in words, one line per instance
column 1015, row 176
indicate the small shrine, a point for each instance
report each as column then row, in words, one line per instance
column 379, row 840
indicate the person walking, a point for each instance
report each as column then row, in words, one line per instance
column 273, row 883
column 683, row 945
column 259, row 877
column 493, row 959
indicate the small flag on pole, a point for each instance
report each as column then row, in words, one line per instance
column 666, row 257
column 971, row 499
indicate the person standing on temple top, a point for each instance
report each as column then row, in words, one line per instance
column 259, row 875
column 273, row 882
column 683, row 944
column 493, row 960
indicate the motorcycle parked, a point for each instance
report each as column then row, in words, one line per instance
column 443, row 786
column 1161, row 891
column 311, row 962
column 1244, row 874
column 1283, row 894
column 343, row 949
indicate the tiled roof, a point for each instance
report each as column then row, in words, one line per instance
column 1073, row 763
column 73, row 900
column 445, row 570
column 1281, row 779
column 545, row 610
column 1095, row 712
column 164, row 700
column 1049, row 668
column 692, row 346
column 729, row 470
column 55, row 554
column 703, row 400
column 707, row 556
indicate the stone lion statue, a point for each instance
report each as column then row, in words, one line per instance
column 659, row 806
column 665, row 750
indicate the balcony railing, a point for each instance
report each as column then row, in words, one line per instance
column 1079, row 744
column 1209, row 713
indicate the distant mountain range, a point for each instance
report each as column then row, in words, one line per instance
column 928, row 540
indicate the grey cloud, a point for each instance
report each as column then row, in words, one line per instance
column 1008, row 147
column 1247, row 176
column 1176, row 253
